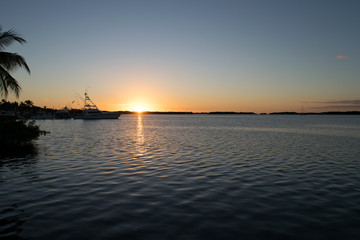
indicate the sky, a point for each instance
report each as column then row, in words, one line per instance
column 189, row 55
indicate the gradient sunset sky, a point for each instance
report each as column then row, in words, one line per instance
column 189, row 55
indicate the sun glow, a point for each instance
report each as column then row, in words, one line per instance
column 139, row 108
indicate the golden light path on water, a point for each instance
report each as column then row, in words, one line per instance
column 140, row 136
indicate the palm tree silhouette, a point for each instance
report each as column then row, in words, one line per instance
column 10, row 62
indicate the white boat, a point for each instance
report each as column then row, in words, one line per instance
column 92, row 112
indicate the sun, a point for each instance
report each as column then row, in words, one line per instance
column 139, row 108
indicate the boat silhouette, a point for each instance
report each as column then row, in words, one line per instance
column 91, row 111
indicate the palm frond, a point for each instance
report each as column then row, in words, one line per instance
column 8, row 82
column 8, row 37
column 13, row 61
column 10, row 62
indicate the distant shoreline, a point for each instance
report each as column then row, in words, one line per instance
column 245, row 113
column 27, row 110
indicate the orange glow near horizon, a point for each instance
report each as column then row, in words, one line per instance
column 139, row 108
column 153, row 100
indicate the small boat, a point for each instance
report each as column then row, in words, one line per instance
column 63, row 114
column 92, row 112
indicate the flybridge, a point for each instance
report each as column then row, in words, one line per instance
column 88, row 104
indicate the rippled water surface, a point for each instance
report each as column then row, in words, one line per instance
column 187, row 177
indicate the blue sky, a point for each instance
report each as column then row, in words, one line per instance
column 260, row 56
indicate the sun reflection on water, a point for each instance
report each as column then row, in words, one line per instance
column 140, row 136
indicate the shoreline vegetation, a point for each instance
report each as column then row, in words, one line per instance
column 18, row 130
column 17, row 136
column 27, row 110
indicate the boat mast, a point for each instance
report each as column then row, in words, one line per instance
column 88, row 105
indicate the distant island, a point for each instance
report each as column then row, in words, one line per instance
column 28, row 110
column 320, row 113
column 249, row 113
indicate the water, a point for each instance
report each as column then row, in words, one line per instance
column 187, row 177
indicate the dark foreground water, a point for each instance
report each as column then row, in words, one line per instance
column 187, row 177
